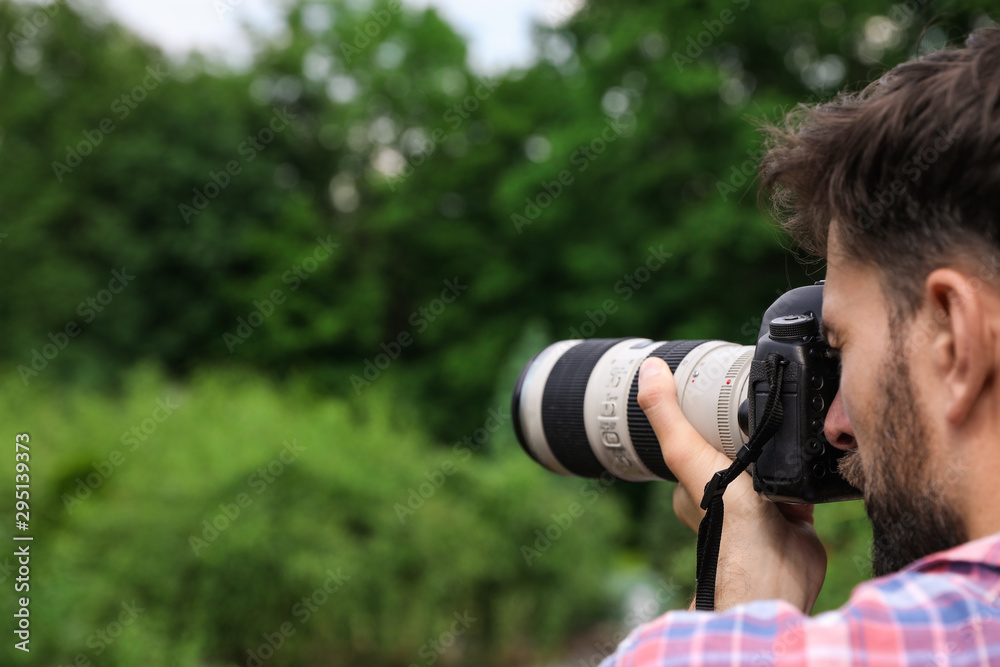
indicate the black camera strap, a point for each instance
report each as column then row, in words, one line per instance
column 710, row 530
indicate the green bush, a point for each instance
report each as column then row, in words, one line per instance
column 333, row 514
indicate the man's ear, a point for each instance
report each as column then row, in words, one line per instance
column 963, row 342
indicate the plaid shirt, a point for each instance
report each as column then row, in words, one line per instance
column 941, row 610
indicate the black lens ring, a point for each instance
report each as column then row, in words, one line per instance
column 647, row 446
column 562, row 407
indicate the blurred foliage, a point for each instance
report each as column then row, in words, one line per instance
column 415, row 166
column 358, row 215
column 218, row 528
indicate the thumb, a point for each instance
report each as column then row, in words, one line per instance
column 688, row 455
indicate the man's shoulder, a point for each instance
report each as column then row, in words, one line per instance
column 947, row 604
column 970, row 571
column 983, row 551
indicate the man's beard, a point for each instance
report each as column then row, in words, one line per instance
column 909, row 510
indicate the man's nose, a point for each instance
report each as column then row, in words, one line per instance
column 837, row 427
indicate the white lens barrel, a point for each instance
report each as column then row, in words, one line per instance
column 575, row 408
column 711, row 384
column 605, row 407
column 536, row 374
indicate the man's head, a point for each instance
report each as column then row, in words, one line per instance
column 898, row 188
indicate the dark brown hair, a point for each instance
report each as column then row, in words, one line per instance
column 909, row 168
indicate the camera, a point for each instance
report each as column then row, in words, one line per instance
column 574, row 407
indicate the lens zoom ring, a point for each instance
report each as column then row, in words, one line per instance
column 562, row 406
column 647, row 447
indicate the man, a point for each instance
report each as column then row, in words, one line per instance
column 898, row 188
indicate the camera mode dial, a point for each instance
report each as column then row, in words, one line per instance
column 793, row 327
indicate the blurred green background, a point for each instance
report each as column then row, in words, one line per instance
column 262, row 323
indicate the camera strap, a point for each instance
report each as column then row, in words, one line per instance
column 710, row 530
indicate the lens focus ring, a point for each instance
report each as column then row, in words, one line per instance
column 647, row 447
column 562, row 406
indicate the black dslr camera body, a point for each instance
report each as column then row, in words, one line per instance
column 575, row 411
